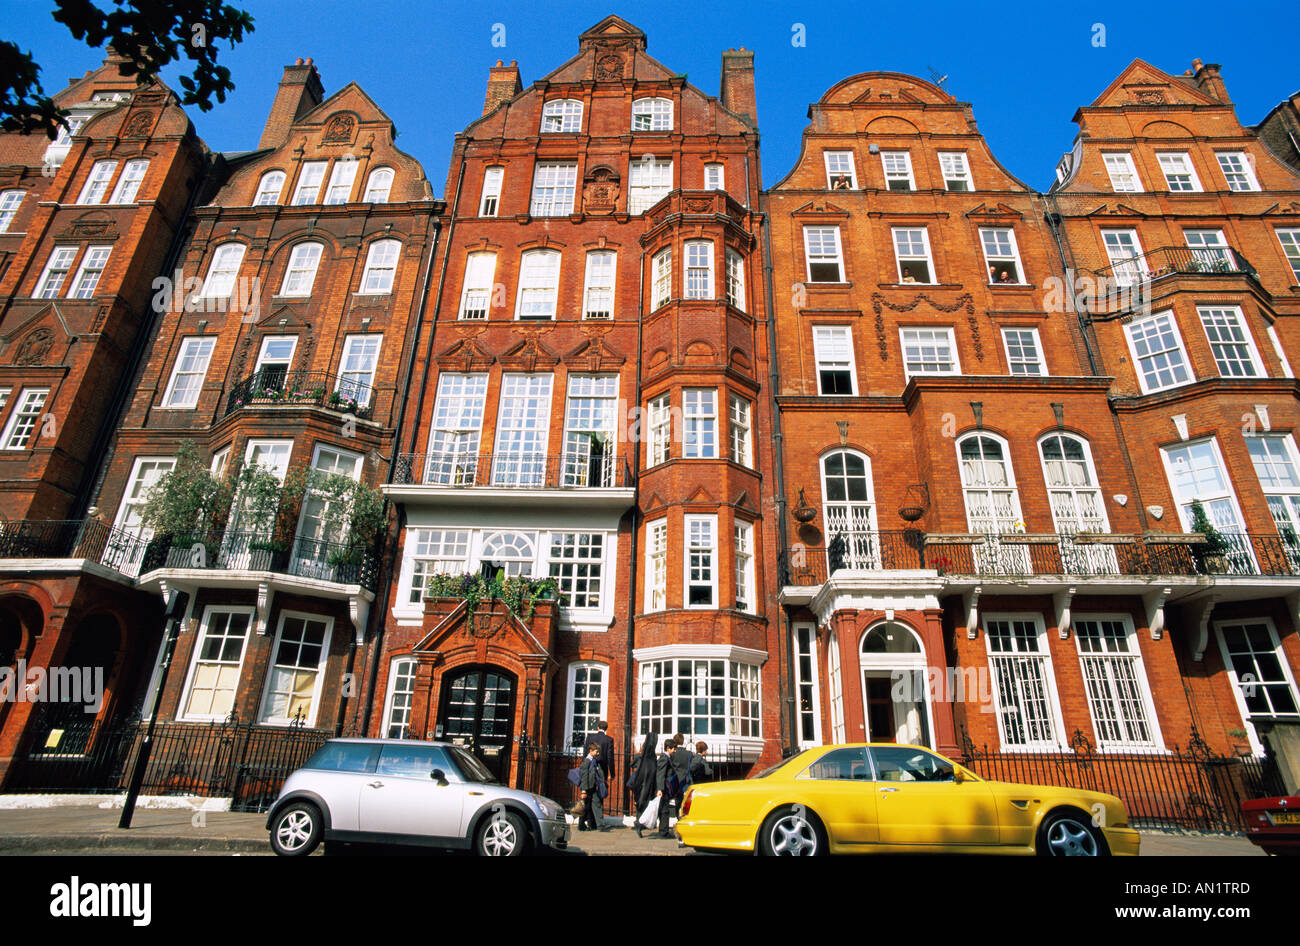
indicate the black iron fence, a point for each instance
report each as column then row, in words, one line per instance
column 345, row 563
column 545, row 770
column 244, row 762
column 70, row 538
column 1181, row 261
column 274, row 386
column 1183, row 788
column 514, row 470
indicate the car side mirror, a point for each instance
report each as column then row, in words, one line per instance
column 439, row 776
column 960, row 775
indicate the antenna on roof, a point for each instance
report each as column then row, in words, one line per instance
column 940, row 80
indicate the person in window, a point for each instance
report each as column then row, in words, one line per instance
column 1004, row 275
column 642, row 782
column 591, row 782
column 908, row 277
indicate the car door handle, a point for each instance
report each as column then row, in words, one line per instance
column 883, row 790
column 376, row 784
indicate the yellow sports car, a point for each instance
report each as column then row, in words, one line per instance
column 880, row 798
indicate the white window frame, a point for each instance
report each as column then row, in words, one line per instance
column 311, row 176
column 93, row 263
column 95, row 190
column 541, row 287
column 927, row 256
column 697, row 276
column 1075, row 491
column 519, row 456
column 390, row 702
column 656, row 568
column 955, row 169
column 894, row 175
column 1289, row 239
column 1155, row 742
column 741, row 428
column 198, row 348
column 57, row 269
column 835, row 681
column 10, row 201
column 489, row 204
column 29, row 405
column 1112, row 158
column 831, row 159
column 1001, row 259
column 742, row 670
column 196, row 659
column 270, row 187
column 1013, row 360
column 599, row 282
column 689, row 550
column 555, row 185
column 476, row 293
column 128, row 184
column 735, row 279
column 223, row 270
column 1246, row 170
column 1285, row 482
column 1242, row 556
column 571, row 697
column 343, row 179
column 648, row 182
column 993, row 524
column 1167, row 160
column 1233, row 314
column 1146, row 384
column 569, row 115
column 822, row 257
column 264, row 712
column 919, row 343
column 346, row 382
column 304, row 263
column 379, row 186
column 603, row 575
column 659, row 432
column 450, row 539
column 714, row 176
column 1125, row 270
column 811, row 681
column 661, row 283
column 1050, row 696
column 1288, row 675
column 453, row 448
column 700, row 426
column 655, row 113
column 379, row 275
column 746, row 590
column 828, row 335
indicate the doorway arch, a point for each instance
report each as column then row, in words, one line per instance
column 476, row 709
column 895, row 692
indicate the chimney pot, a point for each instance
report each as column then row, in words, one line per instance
column 1196, row 64
column 514, row 62
column 500, row 63
column 298, row 61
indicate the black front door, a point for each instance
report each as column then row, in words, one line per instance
column 478, row 712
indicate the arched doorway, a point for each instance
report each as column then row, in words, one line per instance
column 86, row 671
column 477, row 710
column 895, row 697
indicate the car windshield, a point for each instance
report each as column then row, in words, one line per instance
column 781, row 765
column 470, row 766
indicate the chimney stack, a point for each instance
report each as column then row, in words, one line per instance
column 300, row 91
column 1207, row 79
column 503, row 85
column 738, row 84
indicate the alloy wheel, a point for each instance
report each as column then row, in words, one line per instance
column 500, row 839
column 1069, row 838
column 793, row 836
column 294, row 830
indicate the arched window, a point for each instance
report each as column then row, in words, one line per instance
column 652, row 115
column 588, row 692
column 992, row 502
column 9, row 201
column 300, row 274
column 539, row 281
column 562, row 115
column 1072, row 484
column 223, row 270
column 476, row 295
column 514, row 551
column 890, row 638
column 850, row 508
column 378, row 185
column 381, row 267
column 269, row 188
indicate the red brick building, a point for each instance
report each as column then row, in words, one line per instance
column 590, row 410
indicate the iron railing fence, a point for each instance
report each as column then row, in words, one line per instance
column 342, row 562
column 1180, row 261
column 88, row 539
column 514, row 470
column 1187, row 787
column 545, row 770
column 273, row 386
column 1081, row 554
column 245, row 762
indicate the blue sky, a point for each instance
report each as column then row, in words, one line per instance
column 1025, row 67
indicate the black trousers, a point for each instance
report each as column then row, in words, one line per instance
column 668, row 806
column 590, row 804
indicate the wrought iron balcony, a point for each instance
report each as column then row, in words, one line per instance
column 272, row 386
column 87, row 539
column 340, row 562
column 575, row 470
column 1179, row 261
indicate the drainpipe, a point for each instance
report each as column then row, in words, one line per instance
column 629, row 681
column 785, row 662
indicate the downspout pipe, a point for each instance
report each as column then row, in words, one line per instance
column 629, row 678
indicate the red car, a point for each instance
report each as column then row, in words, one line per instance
column 1274, row 823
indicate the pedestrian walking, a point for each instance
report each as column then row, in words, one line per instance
column 605, row 759
column 642, row 782
column 592, row 784
column 666, row 785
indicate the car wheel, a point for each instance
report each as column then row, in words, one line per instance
column 1070, row 834
column 504, row 836
column 297, row 830
column 791, row 831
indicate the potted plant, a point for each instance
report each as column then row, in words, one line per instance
column 1212, row 554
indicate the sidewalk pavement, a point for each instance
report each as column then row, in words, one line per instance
column 83, row 829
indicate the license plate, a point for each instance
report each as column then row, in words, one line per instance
column 1285, row 817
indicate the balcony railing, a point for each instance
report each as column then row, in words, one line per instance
column 87, row 539
column 273, row 386
column 339, row 562
column 1021, row 556
column 513, row 470
column 1179, row 261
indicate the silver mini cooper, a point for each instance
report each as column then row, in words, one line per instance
column 401, row 791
